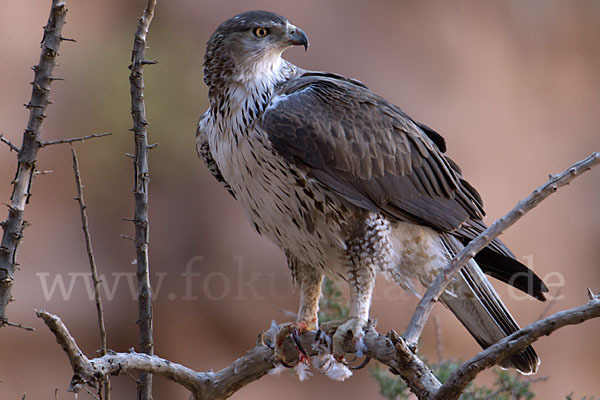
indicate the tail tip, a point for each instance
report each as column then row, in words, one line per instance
column 526, row 362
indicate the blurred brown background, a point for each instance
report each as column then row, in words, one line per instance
column 512, row 85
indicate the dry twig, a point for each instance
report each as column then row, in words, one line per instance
column 14, row 225
column 27, row 328
column 77, row 139
column 142, row 178
column 9, row 143
column 94, row 270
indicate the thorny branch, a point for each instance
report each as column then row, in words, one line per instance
column 142, row 178
column 94, row 270
column 14, row 225
column 390, row 350
column 421, row 314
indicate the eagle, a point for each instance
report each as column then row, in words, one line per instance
column 346, row 184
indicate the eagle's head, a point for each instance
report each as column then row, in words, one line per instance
column 249, row 45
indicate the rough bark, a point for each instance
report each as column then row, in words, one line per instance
column 390, row 350
column 142, row 179
column 14, row 225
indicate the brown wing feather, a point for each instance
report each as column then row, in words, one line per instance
column 368, row 151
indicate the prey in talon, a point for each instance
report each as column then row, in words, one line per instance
column 346, row 184
column 291, row 330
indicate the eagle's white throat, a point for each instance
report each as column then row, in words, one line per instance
column 266, row 68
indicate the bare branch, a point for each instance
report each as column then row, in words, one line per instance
column 417, row 375
column 92, row 260
column 86, row 371
column 513, row 344
column 77, row 139
column 32, row 138
column 421, row 314
column 79, row 362
column 9, row 143
column 390, row 350
column 142, row 178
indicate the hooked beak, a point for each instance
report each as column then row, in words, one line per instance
column 297, row 37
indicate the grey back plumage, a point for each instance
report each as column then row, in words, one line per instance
column 368, row 151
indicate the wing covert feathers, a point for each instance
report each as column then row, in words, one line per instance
column 368, row 151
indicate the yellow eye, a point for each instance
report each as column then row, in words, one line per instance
column 261, row 32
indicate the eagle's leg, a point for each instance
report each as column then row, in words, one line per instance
column 366, row 247
column 310, row 292
column 361, row 281
column 309, row 281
